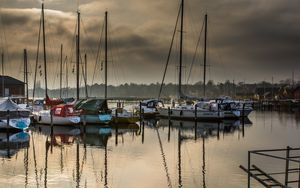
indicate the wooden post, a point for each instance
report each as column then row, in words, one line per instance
column 249, row 163
column 196, row 112
column 140, row 113
column 218, row 110
column 143, row 132
column 84, row 124
column 116, row 116
column 7, row 134
column 169, row 130
column 117, row 132
column 218, row 134
column 51, row 134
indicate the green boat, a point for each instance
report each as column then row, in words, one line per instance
column 94, row 111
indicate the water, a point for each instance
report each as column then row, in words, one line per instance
column 150, row 155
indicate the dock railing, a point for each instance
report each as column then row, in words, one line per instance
column 267, row 179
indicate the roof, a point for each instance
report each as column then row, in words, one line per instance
column 11, row 81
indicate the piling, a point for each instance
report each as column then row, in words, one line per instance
column 196, row 112
column 51, row 122
column 116, row 116
column 84, row 124
column 243, row 112
column 143, row 132
column 140, row 112
column 117, row 132
column 218, row 133
column 169, row 113
column 249, row 162
column 7, row 133
column 196, row 121
column 51, row 134
column 218, row 110
column 169, row 130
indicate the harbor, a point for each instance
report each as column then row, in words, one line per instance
column 149, row 94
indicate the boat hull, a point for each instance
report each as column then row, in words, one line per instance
column 232, row 114
column 190, row 114
column 16, row 123
column 124, row 120
column 246, row 112
column 96, row 118
column 44, row 118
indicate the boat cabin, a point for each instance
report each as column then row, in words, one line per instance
column 64, row 110
column 152, row 103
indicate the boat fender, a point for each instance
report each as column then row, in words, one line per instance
column 40, row 118
column 181, row 112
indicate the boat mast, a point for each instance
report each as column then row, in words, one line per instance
column 105, row 91
column 2, row 60
column 180, row 52
column 77, row 55
column 85, row 76
column 37, row 59
column 61, row 67
column 205, row 41
column 44, row 46
column 26, row 74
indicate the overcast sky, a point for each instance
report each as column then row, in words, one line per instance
column 247, row 40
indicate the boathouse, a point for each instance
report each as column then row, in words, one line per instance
column 10, row 87
column 297, row 93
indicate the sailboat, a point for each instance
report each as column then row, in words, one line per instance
column 94, row 111
column 190, row 111
column 59, row 114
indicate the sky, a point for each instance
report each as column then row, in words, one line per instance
column 248, row 41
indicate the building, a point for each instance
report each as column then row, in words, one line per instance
column 297, row 93
column 10, row 87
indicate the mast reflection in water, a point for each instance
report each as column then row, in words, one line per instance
column 159, row 153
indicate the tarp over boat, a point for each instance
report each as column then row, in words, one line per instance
column 13, row 108
column 92, row 106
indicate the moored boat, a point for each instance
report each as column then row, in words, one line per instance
column 122, row 116
column 63, row 114
column 150, row 107
column 94, row 111
column 202, row 111
column 18, row 118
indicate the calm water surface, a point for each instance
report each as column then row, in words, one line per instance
column 153, row 154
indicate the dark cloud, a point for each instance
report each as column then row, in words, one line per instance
column 250, row 40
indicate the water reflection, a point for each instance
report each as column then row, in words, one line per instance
column 161, row 153
column 194, row 130
column 11, row 143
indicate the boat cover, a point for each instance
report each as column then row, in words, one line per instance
column 13, row 108
column 92, row 106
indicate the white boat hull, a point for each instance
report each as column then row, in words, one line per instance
column 44, row 117
column 190, row 114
